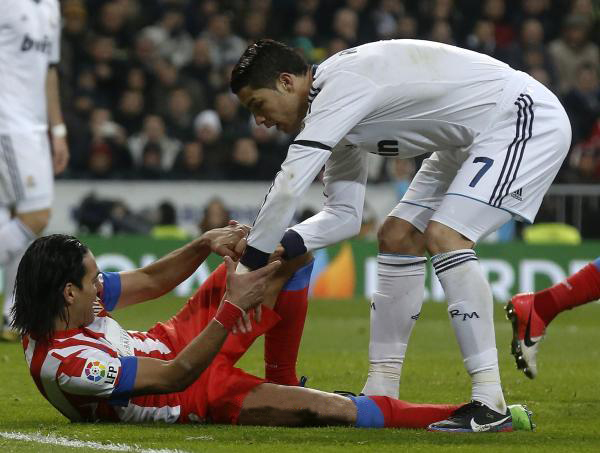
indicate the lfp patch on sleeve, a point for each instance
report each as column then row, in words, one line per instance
column 99, row 372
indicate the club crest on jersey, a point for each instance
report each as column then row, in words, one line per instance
column 99, row 373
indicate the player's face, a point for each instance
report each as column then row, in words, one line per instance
column 283, row 107
column 91, row 287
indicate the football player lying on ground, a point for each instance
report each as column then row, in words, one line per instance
column 91, row 369
column 530, row 313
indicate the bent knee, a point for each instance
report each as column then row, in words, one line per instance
column 440, row 238
column 36, row 221
column 399, row 236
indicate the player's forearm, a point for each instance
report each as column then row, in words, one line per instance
column 197, row 355
column 169, row 271
column 296, row 175
column 329, row 226
column 53, row 97
column 168, row 376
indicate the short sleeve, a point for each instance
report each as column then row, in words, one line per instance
column 55, row 28
column 111, row 282
column 92, row 372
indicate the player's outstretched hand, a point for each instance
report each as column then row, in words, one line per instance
column 247, row 290
column 228, row 241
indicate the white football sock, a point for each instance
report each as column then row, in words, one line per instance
column 10, row 274
column 394, row 310
column 470, row 307
column 14, row 239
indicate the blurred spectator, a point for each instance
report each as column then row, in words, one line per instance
column 582, row 102
column 112, row 22
column 170, row 37
column 482, row 38
column 572, row 50
column 201, row 70
column 166, row 223
column 305, row 39
column 386, row 16
column 233, row 121
column 407, row 28
column 225, row 46
column 345, row 26
column 191, row 164
column 150, row 166
column 108, row 155
column 245, row 164
column 584, row 159
column 441, row 32
column 154, row 132
column 216, row 215
column 495, row 12
column 178, row 117
column 208, row 130
column 529, row 53
column 130, row 111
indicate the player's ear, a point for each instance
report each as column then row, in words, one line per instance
column 68, row 293
column 287, row 81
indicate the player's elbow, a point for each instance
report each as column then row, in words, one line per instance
column 352, row 221
column 176, row 378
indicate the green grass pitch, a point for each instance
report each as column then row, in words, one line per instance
column 565, row 397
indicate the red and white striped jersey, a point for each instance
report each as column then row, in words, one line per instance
column 88, row 373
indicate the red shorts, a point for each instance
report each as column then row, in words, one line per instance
column 218, row 394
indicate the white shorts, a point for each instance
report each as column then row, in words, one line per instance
column 26, row 174
column 505, row 172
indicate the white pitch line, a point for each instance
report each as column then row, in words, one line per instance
column 74, row 443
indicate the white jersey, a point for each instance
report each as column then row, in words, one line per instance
column 29, row 43
column 396, row 98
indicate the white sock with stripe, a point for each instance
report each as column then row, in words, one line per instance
column 470, row 307
column 395, row 308
column 14, row 239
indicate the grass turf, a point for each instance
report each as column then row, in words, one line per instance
column 564, row 397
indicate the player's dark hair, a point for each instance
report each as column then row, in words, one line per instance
column 263, row 62
column 48, row 264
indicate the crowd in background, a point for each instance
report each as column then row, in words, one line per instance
column 145, row 83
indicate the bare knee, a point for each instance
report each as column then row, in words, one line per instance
column 36, row 221
column 399, row 236
column 440, row 238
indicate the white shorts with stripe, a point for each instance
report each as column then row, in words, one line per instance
column 26, row 174
column 505, row 172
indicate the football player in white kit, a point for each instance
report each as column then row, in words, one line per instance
column 497, row 138
column 29, row 103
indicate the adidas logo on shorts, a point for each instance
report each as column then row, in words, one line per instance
column 517, row 194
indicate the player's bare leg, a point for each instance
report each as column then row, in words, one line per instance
column 470, row 306
column 277, row 405
column 15, row 235
column 396, row 304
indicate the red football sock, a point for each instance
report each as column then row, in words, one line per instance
column 282, row 342
column 401, row 414
column 580, row 288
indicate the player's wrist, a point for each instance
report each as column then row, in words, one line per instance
column 59, row 130
column 293, row 245
column 254, row 258
column 228, row 315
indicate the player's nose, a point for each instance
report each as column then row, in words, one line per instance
column 259, row 119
